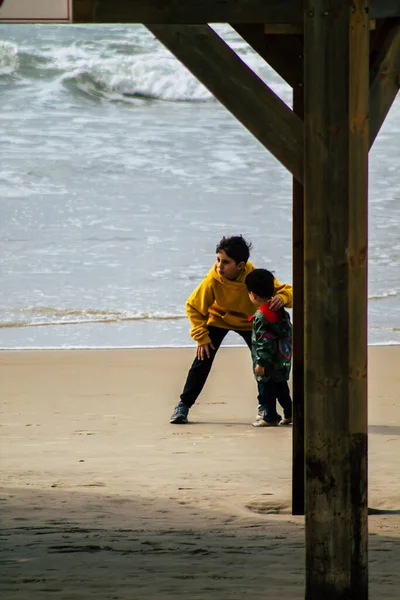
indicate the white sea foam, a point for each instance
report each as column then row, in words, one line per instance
column 41, row 316
column 9, row 60
column 128, row 70
column 383, row 294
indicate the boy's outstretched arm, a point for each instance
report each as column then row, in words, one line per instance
column 283, row 296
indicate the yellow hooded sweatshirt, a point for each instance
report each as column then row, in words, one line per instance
column 224, row 303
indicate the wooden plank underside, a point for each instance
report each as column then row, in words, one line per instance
column 384, row 79
column 205, row 11
column 242, row 92
column 187, row 11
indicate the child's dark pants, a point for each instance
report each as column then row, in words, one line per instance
column 200, row 369
column 269, row 393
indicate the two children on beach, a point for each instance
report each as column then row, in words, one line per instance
column 223, row 302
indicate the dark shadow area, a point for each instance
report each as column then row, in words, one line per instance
column 384, row 511
column 69, row 544
column 228, row 424
column 66, row 544
column 385, row 429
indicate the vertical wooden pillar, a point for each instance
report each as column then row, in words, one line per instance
column 336, row 36
column 298, row 330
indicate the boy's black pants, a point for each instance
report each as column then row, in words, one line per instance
column 200, row 369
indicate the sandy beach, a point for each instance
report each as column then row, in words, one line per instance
column 103, row 498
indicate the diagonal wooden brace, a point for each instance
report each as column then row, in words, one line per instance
column 384, row 81
column 240, row 90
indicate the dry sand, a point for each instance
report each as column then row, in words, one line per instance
column 103, row 498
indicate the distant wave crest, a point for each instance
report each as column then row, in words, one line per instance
column 388, row 294
column 140, row 77
column 9, row 60
column 101, row 74
column 125, row 64
column 48, row 316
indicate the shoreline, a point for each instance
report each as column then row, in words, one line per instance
column 166, row 347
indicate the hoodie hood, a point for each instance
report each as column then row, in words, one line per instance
column 237, row 283
column 278, row 321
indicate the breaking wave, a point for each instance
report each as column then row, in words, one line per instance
column 133, row 68
column 106, row 71
column 145, row 78
column 9, row 59
column 48, row 316
column 388, row 294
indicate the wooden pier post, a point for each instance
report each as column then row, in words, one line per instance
column 336, row 36
column 298, row 477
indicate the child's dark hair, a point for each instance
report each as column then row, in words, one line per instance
column 235, row 247
column 261, row 283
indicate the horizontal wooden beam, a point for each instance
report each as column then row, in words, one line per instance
column 296, row 28
column 187, row 11
column 384, row 79
column 83, row 11
column 206, row 11
column 283, row 28
column 240, row 90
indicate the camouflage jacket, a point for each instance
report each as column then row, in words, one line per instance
column 271, row 343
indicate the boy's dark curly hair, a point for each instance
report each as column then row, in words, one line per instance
column 235, row 247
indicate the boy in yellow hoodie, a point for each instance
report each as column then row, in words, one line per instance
column 220, row 304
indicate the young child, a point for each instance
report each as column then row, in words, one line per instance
column 218, row 305
column 271, row 348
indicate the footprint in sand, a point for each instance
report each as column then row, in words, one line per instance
column 269, row 508
column 71, row 485
column 94, row 484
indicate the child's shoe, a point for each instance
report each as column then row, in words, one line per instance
column 286, row 421
column 261, row 423
column 259, row 412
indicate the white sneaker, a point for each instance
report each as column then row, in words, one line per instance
column 262, row 423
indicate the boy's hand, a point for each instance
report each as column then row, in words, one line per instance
column 276, row 303
column 260, row 370
column 204, row 351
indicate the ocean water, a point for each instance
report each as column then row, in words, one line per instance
column 119, row 173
